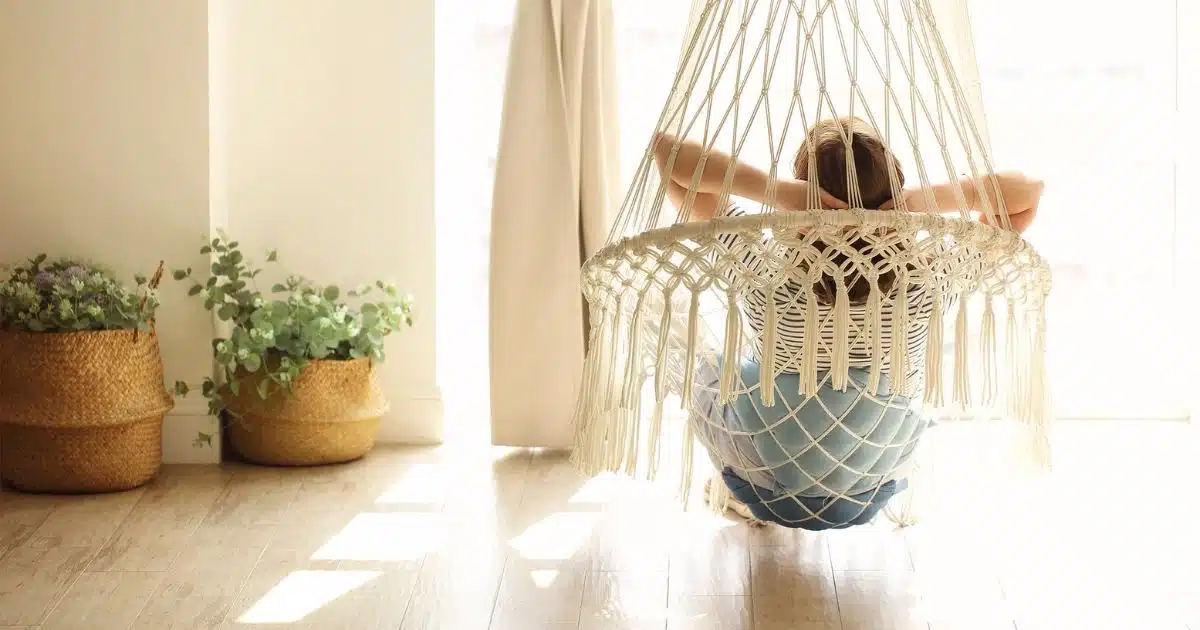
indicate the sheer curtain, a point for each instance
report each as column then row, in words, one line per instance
column 472, row 65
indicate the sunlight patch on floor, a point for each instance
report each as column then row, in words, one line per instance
column 375, row 537
column 556, row 537
column 543, row 578
column 421, row 483
column 303, row 592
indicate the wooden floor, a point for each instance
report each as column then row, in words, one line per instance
column 423, row 539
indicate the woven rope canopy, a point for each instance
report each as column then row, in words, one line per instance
column 725, row 315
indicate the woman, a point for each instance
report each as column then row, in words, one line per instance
column 801, row 462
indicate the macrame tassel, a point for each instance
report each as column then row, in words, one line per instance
column 874, row 332
column 1012, row 356
column 631, row 396
column 840, row 362
column 634, row 369
column 898, row 371
column 766, row 372
column 987, row 352
column 689, row 360
column 589, row 429
column 933, row 354
column 733, row 344
column 599, row 428
column 962, row 384
column 609, row 372
column 660, row 388
column 1039, row 398
column 689, row 452
column 808, row 357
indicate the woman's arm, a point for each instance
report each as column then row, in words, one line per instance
column 747, row 182
column 1021, row 197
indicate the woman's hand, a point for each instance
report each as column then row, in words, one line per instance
column 792, row 194
column 1021, row 194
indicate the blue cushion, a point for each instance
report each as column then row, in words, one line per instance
column 811, row 513
column 836, row 443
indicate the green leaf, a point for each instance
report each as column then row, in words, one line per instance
column 179, row 274
column 279, row 288
column 252, row 363
column 141, row 278
column 227, row 312
column 195, row 290
column 272, row 255
column 207, row 249
column 332, row 292
column 181, row 388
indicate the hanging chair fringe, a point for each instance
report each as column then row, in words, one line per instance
column 933, row 354
column 766, row 381
column 898, row 372
column 689, row 359
column 808, row 362
column 874, row 332
column 962, row 384
column 840, row 361
column 731, row 359
column 987, row 353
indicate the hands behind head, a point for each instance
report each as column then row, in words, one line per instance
column 793, row 194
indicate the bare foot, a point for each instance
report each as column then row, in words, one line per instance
column 737, row 508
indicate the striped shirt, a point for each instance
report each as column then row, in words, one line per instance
column 791, row 304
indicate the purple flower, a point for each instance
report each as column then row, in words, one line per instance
column 75, row 271
column 44, row 280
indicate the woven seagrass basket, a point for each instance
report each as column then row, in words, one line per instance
column 80, row 411
column 331, row 415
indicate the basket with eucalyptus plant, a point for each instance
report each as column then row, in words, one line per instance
column 295, row 374
column 82, row 400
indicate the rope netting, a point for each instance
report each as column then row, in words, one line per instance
column 807, row 347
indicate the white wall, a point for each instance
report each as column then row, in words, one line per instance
column 321, row 139
column 329, row 123
column 104, row 149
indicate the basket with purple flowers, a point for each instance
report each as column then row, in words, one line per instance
column 82, row 400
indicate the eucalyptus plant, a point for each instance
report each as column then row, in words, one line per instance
column 69, row 295
column 273, row 337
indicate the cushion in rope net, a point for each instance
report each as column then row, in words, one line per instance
column 812, row 462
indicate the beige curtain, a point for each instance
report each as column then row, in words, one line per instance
column 556, row 192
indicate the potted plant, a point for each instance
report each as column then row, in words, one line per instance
column 295, row 375
column 82, row 400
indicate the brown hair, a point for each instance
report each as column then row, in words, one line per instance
column 875, row 169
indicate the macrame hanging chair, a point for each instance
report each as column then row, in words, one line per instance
column 815, row 437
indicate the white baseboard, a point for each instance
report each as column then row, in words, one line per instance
column 190, row 435
column 415, row 418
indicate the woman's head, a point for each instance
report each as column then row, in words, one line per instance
column 878, row 176
column 875, row 167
